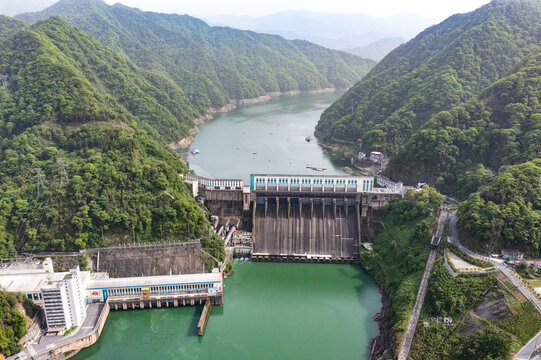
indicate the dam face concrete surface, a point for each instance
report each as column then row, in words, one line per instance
column 305, row 229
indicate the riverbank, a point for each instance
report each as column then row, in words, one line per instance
column 397, row 262
column 381, row 346
column 211, row 112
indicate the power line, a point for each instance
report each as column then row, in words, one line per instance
column 64, row 180
column 40, row 178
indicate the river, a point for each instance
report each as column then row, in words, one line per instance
column 271, row 310
column 265, row 138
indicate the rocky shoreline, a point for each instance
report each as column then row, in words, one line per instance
column 381, row 346
column 187, row 141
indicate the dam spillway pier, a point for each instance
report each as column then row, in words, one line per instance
column 298, row 218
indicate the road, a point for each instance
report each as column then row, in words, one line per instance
column 526, row 352
column 416, row 312
column 48, row 343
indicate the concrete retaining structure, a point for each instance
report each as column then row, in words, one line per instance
column 74, row 347
column 173, row 300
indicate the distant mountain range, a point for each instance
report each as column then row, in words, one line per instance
column 378, row 49
column 213, row 65
column 333, row 30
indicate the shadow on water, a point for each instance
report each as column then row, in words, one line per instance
column 367, row 299
column 192, row 329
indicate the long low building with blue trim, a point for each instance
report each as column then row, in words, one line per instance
column 315, row 183
column 99, row 290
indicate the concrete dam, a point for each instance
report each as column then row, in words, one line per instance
column 298, row 218
column 293, row 228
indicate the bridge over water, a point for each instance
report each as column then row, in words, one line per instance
column 305, row 218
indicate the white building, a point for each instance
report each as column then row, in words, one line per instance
column 64, row 301
column 388, row 183
column 56, row 306
column 62, row 295
column 75, row 297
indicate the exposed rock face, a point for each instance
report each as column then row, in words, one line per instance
column 383, row 347
column 149, row 262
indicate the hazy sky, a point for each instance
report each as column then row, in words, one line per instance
column 429, row 8
column 437, row 9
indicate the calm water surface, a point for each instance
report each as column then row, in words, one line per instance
column 271, row 311
column 275, row 131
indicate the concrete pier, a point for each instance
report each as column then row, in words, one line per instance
column 173, row 300
column 202, row 325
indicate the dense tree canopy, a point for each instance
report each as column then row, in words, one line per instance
column 507, row 212
column 71, row 100
column 443, row 66
column 461, row 149
column 213, row 65
column 12, row 324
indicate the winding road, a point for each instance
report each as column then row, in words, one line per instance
column 526, row 352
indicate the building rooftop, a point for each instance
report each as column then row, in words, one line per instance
column 153, row 280
column 28, row 283
column 510, row 252
column 27, row 266
column 315, row 176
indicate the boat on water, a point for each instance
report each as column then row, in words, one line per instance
column 308, row 139
column 316, row 168
column 195, row 151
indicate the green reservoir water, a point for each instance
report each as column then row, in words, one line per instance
column 271, row 311
column 275, row 131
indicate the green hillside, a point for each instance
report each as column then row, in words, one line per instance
column 443, row 66
column 9, row 26
column 213, row 65
column 461, row 149
column 506, row 213
column 70, row 98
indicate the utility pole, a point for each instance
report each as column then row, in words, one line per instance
column 64, row 180
column 40, row 177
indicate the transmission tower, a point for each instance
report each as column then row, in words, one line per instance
column 4, row 79
column 40, row 178
column 64, row 180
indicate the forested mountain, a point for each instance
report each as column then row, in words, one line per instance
column 461, row 149
column 506, row 213
column 470, row 148
column 212, row 65
column 9, row 26
column 378, row 49
column 443, row 66
column 70, row 100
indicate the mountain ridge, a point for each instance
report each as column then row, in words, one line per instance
column 213, row 65
column 443, row 66
column 72, row 100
